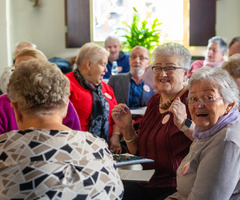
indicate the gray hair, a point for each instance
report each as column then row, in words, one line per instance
column 174, row 49
column 112, row 37
column 220, row 79
column 220, row 41
column 91, row 51
column 38, row 87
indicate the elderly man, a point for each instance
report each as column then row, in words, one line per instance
column 234, row 46
column 129, row 88
column 216, row 51
column 113, row 45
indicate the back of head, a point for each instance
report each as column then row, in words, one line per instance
column 220, row 79
column 91, row 51
column 174, row 49
column 233, row 65
column 38, row 87
column 220, row 41
column 34, row 53
column 22, row 45
column 234, row 40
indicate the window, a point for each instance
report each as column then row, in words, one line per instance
column 183, row 23
column 108, row 15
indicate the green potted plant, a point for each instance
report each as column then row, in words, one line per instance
column 141, row 33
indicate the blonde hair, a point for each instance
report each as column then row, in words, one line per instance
column 31, row 52
column 91, row 51
column 233, row 65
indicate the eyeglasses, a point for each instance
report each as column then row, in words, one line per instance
column 167, row 70
column 206, row 100
column 140, row 57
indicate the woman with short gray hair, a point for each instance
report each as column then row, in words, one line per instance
column 45, row 159
column 211, row 169
column 216, row 50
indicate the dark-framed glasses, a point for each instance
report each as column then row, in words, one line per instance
column 167, row 70
column 206, row 100
column 140, row 57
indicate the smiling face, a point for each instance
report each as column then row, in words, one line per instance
column 214, row 53
column 205, row 115
column 114, row 48
column 169, row 84
column 97, row 71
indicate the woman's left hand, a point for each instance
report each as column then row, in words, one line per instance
column 114, row 144
column 179, row 111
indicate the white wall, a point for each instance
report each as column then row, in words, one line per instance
column 45, row 27
column 228, row 16
column 5, row 51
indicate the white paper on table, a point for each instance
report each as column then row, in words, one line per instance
column 136, row 175
column 138, row 111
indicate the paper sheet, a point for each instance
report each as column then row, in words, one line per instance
column 136, row 175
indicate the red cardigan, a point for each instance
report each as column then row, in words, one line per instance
column 82, row 100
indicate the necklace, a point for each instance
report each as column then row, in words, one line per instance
column 166, row 105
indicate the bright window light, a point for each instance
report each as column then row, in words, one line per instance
column 108, row 15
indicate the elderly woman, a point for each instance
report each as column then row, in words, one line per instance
column 46, row 159
column 92, row 98
column 216, row 50
column 7, row 118
column 233, row 67
column 212, row 167
column 166, row 127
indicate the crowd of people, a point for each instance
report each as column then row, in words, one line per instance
column 58, row 132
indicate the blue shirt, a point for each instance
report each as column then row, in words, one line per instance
column 135, row 94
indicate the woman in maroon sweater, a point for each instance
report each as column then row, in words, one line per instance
column 165, row 132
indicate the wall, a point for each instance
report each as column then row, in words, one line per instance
column 44, row 26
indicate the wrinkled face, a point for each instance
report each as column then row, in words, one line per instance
column 214, row 53
column 21, row 59
column 114, row 48
column 206, row 113
column 97, row 71
column 169, row 83
column 138, row 61
column 235, row 48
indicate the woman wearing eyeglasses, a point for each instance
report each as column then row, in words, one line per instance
column 211, row 169
column 165, row 132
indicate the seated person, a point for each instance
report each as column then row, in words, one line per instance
column 7, row 118
column 45, row 159
column 92, row 98
column 4, row 79
column 113, row 45
column 216, row 51
column 211, row 170
column 165, row 131
column 234, row 46
column 129, row 88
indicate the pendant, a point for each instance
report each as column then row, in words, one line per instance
column 166, row 118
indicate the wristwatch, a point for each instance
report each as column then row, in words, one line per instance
column 186, row 125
